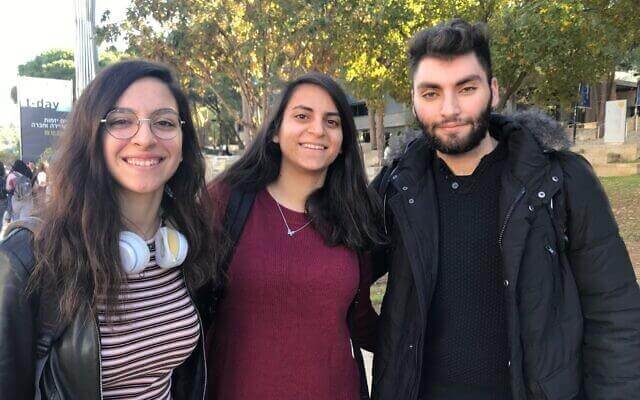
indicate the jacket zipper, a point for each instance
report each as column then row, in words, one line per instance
column 509, row 213
column 204, row 387
column 384, row 213
column 385, row 184
column 95, row 322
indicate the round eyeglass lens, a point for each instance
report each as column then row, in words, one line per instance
column 165, row 125
column 121, row 124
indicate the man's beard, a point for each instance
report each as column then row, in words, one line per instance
column 478, row 132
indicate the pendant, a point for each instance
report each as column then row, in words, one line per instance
column 290, row 232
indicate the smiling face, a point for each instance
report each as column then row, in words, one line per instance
column 310, row 135
column 143, row 164
column 452, row 100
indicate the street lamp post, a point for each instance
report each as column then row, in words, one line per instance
column 85, row 53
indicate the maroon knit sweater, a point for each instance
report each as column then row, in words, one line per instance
column 281, row 331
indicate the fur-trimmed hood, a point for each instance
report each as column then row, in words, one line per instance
column 548, row 132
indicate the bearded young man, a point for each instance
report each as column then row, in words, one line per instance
column 507, row 275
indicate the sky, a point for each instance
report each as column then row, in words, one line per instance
column 27, row 28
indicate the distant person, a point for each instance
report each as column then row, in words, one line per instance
column 4, row 194
column 19, row 186
column 40, row 187
column 32, row 167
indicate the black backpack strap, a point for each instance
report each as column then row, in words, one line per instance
column 236, row 213
column 238, row 208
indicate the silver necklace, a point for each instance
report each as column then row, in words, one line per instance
column 290, row 231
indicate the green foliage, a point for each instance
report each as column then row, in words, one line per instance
column 9, row 144
column 253, row 45
column 240, row 52
column 54, row 63
column 632, row 60
column 59, row 63
column 46, row 156
column 543, row 50
column 110, row 56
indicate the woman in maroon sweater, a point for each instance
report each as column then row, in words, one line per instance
column 297, row 277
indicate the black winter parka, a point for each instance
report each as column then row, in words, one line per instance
column 573, row 303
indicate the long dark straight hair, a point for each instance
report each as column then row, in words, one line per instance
column 76, row 249
column 344, row 210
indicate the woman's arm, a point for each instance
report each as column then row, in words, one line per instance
column 365, row 317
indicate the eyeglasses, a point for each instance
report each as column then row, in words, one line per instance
column 125, row 124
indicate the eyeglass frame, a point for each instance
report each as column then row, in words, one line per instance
column 140, row 120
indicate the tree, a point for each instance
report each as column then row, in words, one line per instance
column 9, row 144
column 238, row 52
column 54, row 63
column 632, row 60
column 217, row 123
column 59, row 64
column 255, row 44
column 543, row 50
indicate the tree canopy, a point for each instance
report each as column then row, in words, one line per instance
column 240, row 52
column 59, row 64
column 54, row 63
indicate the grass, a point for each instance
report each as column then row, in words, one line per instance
column 624, row 195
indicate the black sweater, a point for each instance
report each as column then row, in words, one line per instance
column 466, row 349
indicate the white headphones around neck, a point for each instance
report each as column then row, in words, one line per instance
column 171, row 250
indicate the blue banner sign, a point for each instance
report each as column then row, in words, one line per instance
column 44, row 106
column 585, row 96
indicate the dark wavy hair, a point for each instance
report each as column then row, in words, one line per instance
column 344, row 210
column 76, row 249
column 449, row 39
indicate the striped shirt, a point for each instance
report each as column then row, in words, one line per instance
column 155, row 332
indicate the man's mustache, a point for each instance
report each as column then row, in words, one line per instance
column 456, row 121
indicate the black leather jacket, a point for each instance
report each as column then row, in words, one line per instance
column 39, row 359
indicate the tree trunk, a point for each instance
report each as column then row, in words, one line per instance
column 199, row 125
column 511, row 90
column 379, row 132
column 372, row 128
column 245, row 124
column 217, row 142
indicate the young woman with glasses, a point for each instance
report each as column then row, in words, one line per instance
column 297, row 293
column 99, row 301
